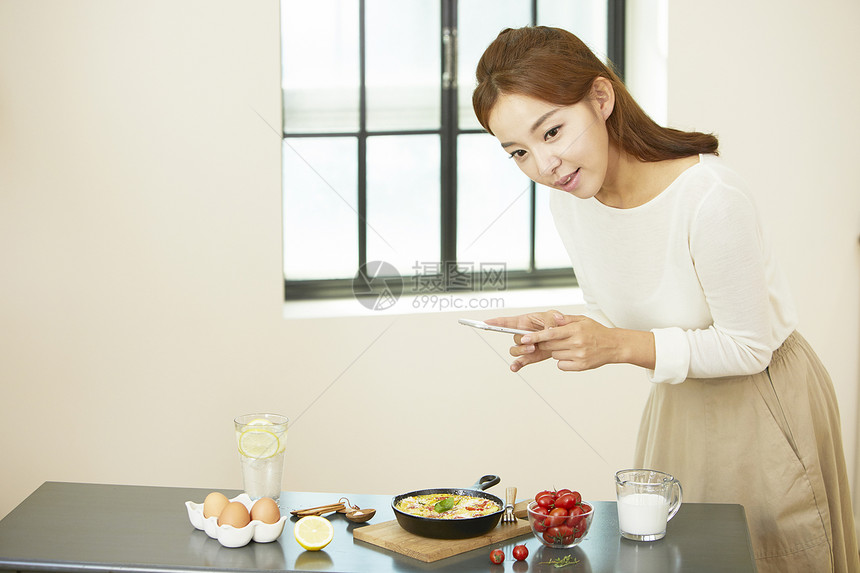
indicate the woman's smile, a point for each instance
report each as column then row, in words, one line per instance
column 569, row 182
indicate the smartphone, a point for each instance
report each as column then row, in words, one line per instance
column 484, row 326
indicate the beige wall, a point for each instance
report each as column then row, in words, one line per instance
column 778, row 81
column 140, row 299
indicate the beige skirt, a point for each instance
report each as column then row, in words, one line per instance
column 771, row 442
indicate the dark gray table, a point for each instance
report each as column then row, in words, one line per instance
column 93, row 528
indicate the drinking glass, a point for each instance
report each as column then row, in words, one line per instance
column 261, row 440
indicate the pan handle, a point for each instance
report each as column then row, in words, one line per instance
column 486, row 482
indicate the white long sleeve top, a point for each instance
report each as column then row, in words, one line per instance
column 692, row 266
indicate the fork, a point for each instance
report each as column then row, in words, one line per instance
column 510, row 500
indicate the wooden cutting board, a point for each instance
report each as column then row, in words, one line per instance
column 391, row 536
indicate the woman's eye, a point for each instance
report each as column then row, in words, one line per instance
column 519, row 153
column 551, row 133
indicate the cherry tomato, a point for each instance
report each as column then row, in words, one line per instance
column 540, row 510
column 552, row 535
column 545, row 501
column 577, row 497
column 556, row 517
column 575, row 517
column 567, row 501
column 563, row 491
column 567, row 534
column 559, row 535
column 543, row 493
column 521, row 552
column 497, row 556
column 585, row 507
column 539, row 518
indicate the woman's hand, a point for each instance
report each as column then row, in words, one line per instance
column 577, row 342
column 528, row 353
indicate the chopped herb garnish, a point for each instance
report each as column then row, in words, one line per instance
column 561, row 561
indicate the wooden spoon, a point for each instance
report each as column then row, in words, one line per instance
column 360, row 515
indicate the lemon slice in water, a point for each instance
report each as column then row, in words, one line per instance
column 313, row 532
column 259, row 443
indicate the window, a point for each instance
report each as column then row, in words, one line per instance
column 384, row 162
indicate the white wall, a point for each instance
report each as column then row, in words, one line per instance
column 140, row 299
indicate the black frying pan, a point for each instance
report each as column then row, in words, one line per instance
column 452, row 528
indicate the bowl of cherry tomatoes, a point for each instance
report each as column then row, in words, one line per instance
column 559, row 518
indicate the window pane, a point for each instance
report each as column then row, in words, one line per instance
column 585, row 18
column 320, row 65
column 403, row 200
column 479, row 22
column 320, row 208
column 493, row 205
column 549, row 250
column 403, row 64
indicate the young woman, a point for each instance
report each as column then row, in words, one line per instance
column 678, row 279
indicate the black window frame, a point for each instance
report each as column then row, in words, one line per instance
column 448, row 131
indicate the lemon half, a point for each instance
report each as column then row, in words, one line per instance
column 313, row 532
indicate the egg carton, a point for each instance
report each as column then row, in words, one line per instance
column 230, row 536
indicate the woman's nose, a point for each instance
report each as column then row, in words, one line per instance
column 548, row 163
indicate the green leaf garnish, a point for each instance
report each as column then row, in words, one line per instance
column 445, row 504
column 561, row 561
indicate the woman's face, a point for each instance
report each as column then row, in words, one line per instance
column 565, row 148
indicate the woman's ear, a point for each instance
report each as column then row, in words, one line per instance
column 603, row 95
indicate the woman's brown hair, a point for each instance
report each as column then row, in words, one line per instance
column 555, row 66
